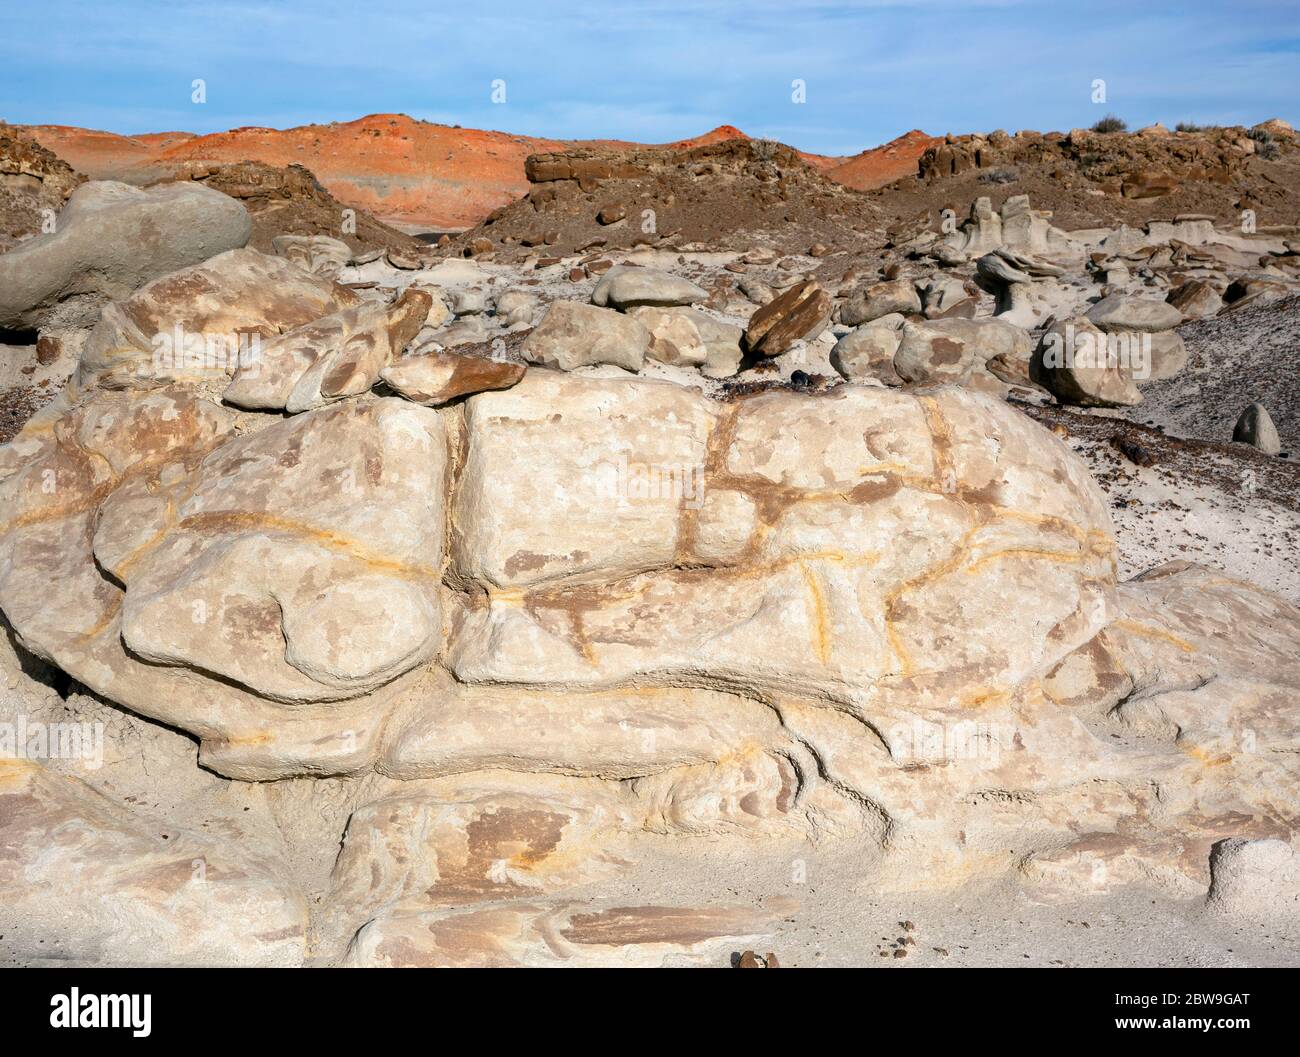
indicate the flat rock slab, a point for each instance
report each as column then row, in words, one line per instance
column 625, row 288
column 1120, row 313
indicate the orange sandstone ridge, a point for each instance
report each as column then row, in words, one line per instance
column 413, row 174
column 882, row 165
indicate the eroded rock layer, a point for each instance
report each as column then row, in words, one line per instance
column 444, row 623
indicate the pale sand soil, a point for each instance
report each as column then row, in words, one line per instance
column 1222, row 505
column 843, row 920
column 1233, row 360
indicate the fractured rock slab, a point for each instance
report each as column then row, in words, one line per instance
column 799, row 314
column 207, row 577
column 436, row 377
column 605, row 581
column 319, row 254
column 201, row 322
column 335, row 356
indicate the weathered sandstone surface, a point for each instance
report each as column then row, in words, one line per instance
column 561, row 623
column 467, row 613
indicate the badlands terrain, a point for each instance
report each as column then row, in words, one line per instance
column 424, row 546
column 413, row 174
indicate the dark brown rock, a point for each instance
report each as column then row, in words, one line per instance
column 801, row 312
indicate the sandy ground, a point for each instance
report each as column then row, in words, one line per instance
column 840, row 920
column 1222, row 505
column 1232, row 360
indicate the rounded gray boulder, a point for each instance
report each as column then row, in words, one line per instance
column 1255, row 427
column 109, row 240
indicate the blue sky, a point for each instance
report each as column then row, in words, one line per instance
column 652, row 71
